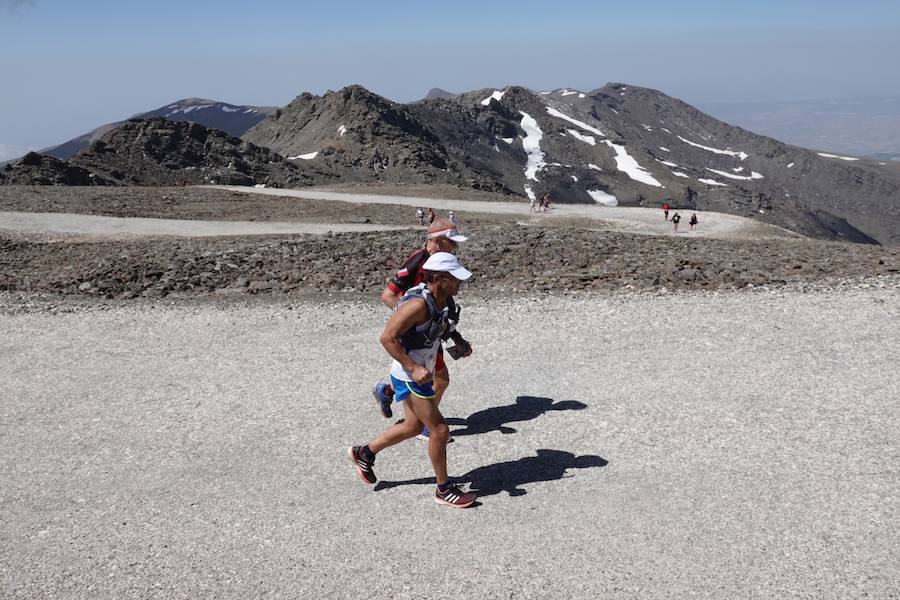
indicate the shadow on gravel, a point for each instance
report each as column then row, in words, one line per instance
column 509, row 477
column 525, row 408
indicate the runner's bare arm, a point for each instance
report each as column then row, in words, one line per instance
column 413, row 313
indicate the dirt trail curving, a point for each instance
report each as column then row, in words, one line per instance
column 648, row 221
column 67, row 223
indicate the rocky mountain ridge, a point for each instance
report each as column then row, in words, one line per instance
column 616, row 145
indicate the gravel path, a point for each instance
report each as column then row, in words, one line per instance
column 734, row 445
column 66, row 223
column 636, row 220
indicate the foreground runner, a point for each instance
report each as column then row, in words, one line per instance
column 412, row 337
column 442, row 236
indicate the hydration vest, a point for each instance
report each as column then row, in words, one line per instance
column 439, row 325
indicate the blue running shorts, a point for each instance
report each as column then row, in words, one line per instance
column 403, row 389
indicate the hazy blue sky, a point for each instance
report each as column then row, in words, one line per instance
column 69, row 66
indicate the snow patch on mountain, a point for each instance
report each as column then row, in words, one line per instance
column 680, row 174
column 555, row 113
column 186, row 109
column 601, row 197
column 826, row 155
column 309, row 156
column 594, row 167
column 584, row 138
column 342, row 130
column 531, row 143
column 628, row 165
column 712, row 182
column 664, row 149
column 497, row 95
column 753, row 175
column 667, row 163
column 742, row 155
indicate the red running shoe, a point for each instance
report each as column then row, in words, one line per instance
column 363, row 466
column 454, row 497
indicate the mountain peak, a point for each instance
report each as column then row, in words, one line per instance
column 438, row 93
column 231, row 118
column 194, row 102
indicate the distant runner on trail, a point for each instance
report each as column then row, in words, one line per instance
column 693, row 222
column 665, row 208
column 545, row 202
column 420, row 214
column 431, row 216
column 676, row 218
column 442, row 236
column 452, row 216
column 412, row 337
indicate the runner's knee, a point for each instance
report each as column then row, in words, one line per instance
column 440, row 432
column 412, row 429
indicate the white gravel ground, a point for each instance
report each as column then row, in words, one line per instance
column 749, row 440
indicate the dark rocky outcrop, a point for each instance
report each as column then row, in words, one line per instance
column 508, row 259
column 162, row 152
column 39, row 169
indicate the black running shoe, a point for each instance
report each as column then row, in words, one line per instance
column 454, row 497
column 363, row 466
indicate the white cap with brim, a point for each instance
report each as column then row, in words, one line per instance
column 448, row 232
column 447, row 263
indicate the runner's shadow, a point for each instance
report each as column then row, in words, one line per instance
column 509, row 477
column 495, row 418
